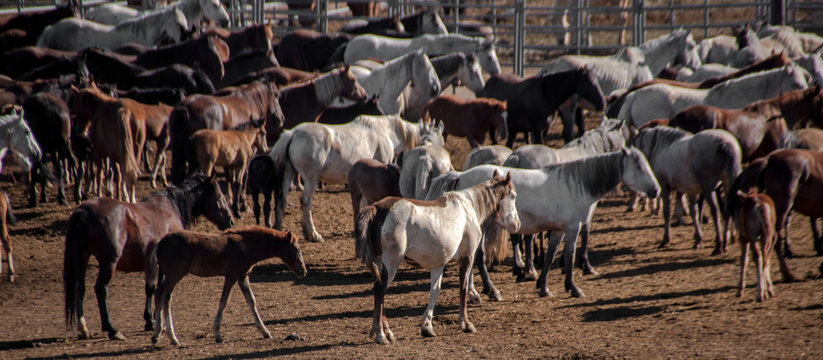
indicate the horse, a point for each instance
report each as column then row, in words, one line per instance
column 309, row 50
column 255, row 37
column 320, row 152
column 260, row 179
column 559, row 198
column 373, row 46
column 256, row 100
column 531, row 101
column 665, row 101
column 453, row 69
column 279, row 75
column 389, row 80
column 16, row 136
column 193, row 10
column 57, row 69
column 342, row 115
column 206, row 53
column 6, row 217
column 241, row 65
column 48, row 118
column 791, row 177
column 471, row 119
column 429, row 234
column 231, row 254
column 692, row 165
column 230, row 149
column 494, row 155
column 798, row 107
column 122, row 236
column 304, row 102
column 755, row 220
column 149, row 29
column 370, row 181
column 371, row 26
column 810, row 139
column 33, row 23
column 419, row 166
column 424, row 22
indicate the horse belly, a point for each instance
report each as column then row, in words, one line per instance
column 433, row 242
column 132, row 258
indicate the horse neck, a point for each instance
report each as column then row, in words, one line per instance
column 447, row 67
column 328, row 87
column 186, row 202
column 407, row 135
column 394, row 76
column 261, row 247
column 793, row 106
column 596, row 175
column 481, row 200
column 660, row 54
column 192, row 9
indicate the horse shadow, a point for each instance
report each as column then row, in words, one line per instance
column 651, row 297
column 27, row 344
column 102, row 354
column 391, row 313
column 623, row 228
column 265, row 354
column 666, row 267
column 394, row 288
column 622, row 312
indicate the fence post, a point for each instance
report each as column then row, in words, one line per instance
column 322, row 12
column 519, row 36
column 778, row 12
column 456, row 10
column 638, row 22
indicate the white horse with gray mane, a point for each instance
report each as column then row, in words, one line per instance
column 194, row 10
column 491, row 154
column 692, row 165
column 381, row 47
column 388, row 81
column 559, row 198
column 16, row 136
column 662, row 101
column 319, row 152
column 422, row 164
column 73, row 34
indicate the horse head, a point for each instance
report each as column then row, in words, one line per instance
column 470, row 74
column 259, row 127
column 424, row 79
column 431, row 135
column 176, row 28
column 275, row 117
column 16, row 135
column 294, row 256
column 351, row 88
column 487, row 55
column 637, row 174
column 212, row 56
column 212, row 202
column 214, row 10
column 506, row 212
column 499, row 118
column 687, row 54
column 430, row 23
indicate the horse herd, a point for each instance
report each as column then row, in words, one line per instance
column 364, row 108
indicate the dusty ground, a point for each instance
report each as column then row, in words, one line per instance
column 647, row 302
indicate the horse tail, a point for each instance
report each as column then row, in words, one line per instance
column 495, row 236
column 74, row 270
column 130, row 169
column 367, row 246
column 625, row 113
column 10, row 218
column 284, row 174
column 178, row 129
column 204, row 84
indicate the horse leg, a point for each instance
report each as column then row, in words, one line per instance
column 568, row 113
column 758, row 260
column 695, row 214
column 224, row 298
column 267, row 207
column 781, row 252
column 554, row 241
column 245, row 287
column 151, row 287
column 426, row 324
column 157, row 157
column 664, row 194
column 518, row 265
column 510, row 140
column 570, row 246
column 488, row 286
column 162, row 306
column 465, row 274
column 584, row 263
column 530, row 273
column 309, row 231
column 378, row 321
column 5, row 245
column 33, row 187
column 57, row 163
column 744, row 261
column 788, row 245
column 101, row 289
column 818, row 240
column 720, row 237
column 235, row 184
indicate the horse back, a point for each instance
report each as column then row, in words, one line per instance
column 183, row 252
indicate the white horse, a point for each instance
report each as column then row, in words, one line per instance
column 429, row 234
column 151, row 29
column 16, row 136
column 453, row 69
column 194, row 10
column 420, row 165
column 692, row 165
column 380, row 47
column 320, row 152
column 662, row 101
column 390, row 79
column 561, row 197
column 705, row 72
column 492, row 154
column 720, row 49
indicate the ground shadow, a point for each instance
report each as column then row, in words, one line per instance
column 275, row 352
column 102, row 354
column 25, row 344
column 653, row 297
column 667, row 267
column 391, row 312
column 621, row 312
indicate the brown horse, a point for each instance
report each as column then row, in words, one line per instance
column 471, row 119
column 157, row 131
column 206, row 53
column 370, row 181
column 121, row 236
column 755, row 222
column 232, row 255
column 793, row 178
column 799, row 108
column 230, row 149
column 309, row 50
column 279, row 75
column 304, row 102
column 257, row 100
column 366, row 8
column 6, row 217
column 251, row 38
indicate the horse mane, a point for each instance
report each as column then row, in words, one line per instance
column 185, row 197
column 595, row 175
column 655, row 139
column 371, row 121
column 600, row 140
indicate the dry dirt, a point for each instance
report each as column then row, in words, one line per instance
column 646, row 302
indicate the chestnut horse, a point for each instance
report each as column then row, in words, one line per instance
column 800, row 108
column 121, row 236
column 755, row 220
column 471, row 119
column 257, row 100
column 370, row 181
column 232, row 255
column 230, row 149
column 6, row 217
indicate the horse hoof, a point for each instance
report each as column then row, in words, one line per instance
column 381, row 340
column 148, row 327
column 267, row 335
column 590, row 271
column 530, row 276
column 578, row 293
column 663, row 244
column 474, row 298
column 154, row 341
column 544, row 292
column 83, row 336
column 116, row 336
column 717, row 251
column 468, row 327
column 316, row 239
column 218, row 339
column 427, row 331
column 495, row 296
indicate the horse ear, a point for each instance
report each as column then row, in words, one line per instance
column 495, row 174
column 625, row 151
column 439, row 127
column 508, row 177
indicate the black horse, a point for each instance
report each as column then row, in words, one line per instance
column 48, row 117
column 346, row 114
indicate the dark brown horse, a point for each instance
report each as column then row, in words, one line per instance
column 241, row 65
column 261, row 177
column 471, row 119
column 23, row 60
column 121, row 236
column 232, row 255
column 34, row 23
column 373, row 26
column 303, row 102
column 6, row 217
column 206, row 53
column 309, row 50
column 793, row 178
column 531, row 101
column 255, row 37
column 279, row 75
column 346, row 114
column 257, row 100
column 48, row 118
column 370, row 181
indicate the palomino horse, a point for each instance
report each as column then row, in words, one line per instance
column 303, row 102
column 429, row 234
column 792, row 178
column 470, row 119
column 755, row 220
column 6, row 217
column 257, row 100
column 692, row 165
column 194, row 11
column 530, row 102
column 121, row 236
column 230, row 149
column 149, row 30
column 559, row 198
column 16, row 136
column 231, row 254
column 48, row 117
column 370, row 181
column 320, row 152
column 378, row 47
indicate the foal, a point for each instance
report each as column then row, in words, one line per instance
column 755, row 220
column 230, row 149
column 231, row 254
column 6, row 215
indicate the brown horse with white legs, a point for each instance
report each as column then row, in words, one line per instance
column 6, row 218
column 122, row 235
column 755, row 220
column 471, row 119
column 232, row 255
column 230, row 149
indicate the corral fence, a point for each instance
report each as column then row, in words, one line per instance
column 531, row 32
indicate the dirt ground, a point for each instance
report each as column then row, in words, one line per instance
column 646, row 303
